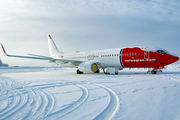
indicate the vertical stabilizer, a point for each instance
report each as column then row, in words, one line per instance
column 52, row 47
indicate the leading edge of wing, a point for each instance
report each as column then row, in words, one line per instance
column 45, row 58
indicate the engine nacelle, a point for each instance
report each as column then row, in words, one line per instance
column 88, row 67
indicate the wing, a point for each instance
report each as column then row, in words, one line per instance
column 51, row 59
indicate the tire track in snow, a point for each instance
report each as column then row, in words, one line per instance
column 18, row 112
column 42, row 106
column 19, row 100
column 5, row 82
column 4, row 85
column 48, row 85
column 1, row 86
column 27, row 107
column 15, row 106
column 24, row 104
column 50, row 104
column 66, row 110
column 15, row 101
column 4, row 95
column 9, row 106
column 33, row 106
column 47, row 104
column 109, row 112
column 22, row 107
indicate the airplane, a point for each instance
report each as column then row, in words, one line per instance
column 110, row 60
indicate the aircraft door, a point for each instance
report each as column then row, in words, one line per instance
column 146, row 54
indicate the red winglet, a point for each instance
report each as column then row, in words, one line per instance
column 49, row 36
column 3, row 48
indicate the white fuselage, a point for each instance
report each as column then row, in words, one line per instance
column 107, row 57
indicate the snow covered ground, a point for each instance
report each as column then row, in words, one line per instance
column 56, row 93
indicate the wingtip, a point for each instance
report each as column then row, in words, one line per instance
column 3, row 49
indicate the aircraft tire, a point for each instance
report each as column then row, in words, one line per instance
column 79, row 72
column 153, row 72
column 97, row 71
column 104, row 71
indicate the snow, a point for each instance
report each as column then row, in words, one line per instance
column 59, row 93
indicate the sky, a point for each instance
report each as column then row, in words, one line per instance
column 82, row 25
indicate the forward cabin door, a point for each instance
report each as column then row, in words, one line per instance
column 146, row 55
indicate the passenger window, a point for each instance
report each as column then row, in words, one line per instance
column 127, row 54
column 132, row 53
column 135, row 53
column 117, row 54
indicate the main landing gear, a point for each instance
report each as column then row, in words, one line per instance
column 79, row 72
column 111, row 71
column 154, row 71
column 97, row 71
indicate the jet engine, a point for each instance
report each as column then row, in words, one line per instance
column 88, row 67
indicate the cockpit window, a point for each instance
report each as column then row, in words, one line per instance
column 161, row 51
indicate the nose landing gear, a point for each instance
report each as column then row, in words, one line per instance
column 154, row 71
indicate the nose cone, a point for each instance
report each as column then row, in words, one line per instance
column 174, row 58
column 171, row 58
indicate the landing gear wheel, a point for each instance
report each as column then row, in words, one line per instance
column 79, row 72
column 153, row 72
column 97, row 71
column 104, row 71
column 116, row 73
